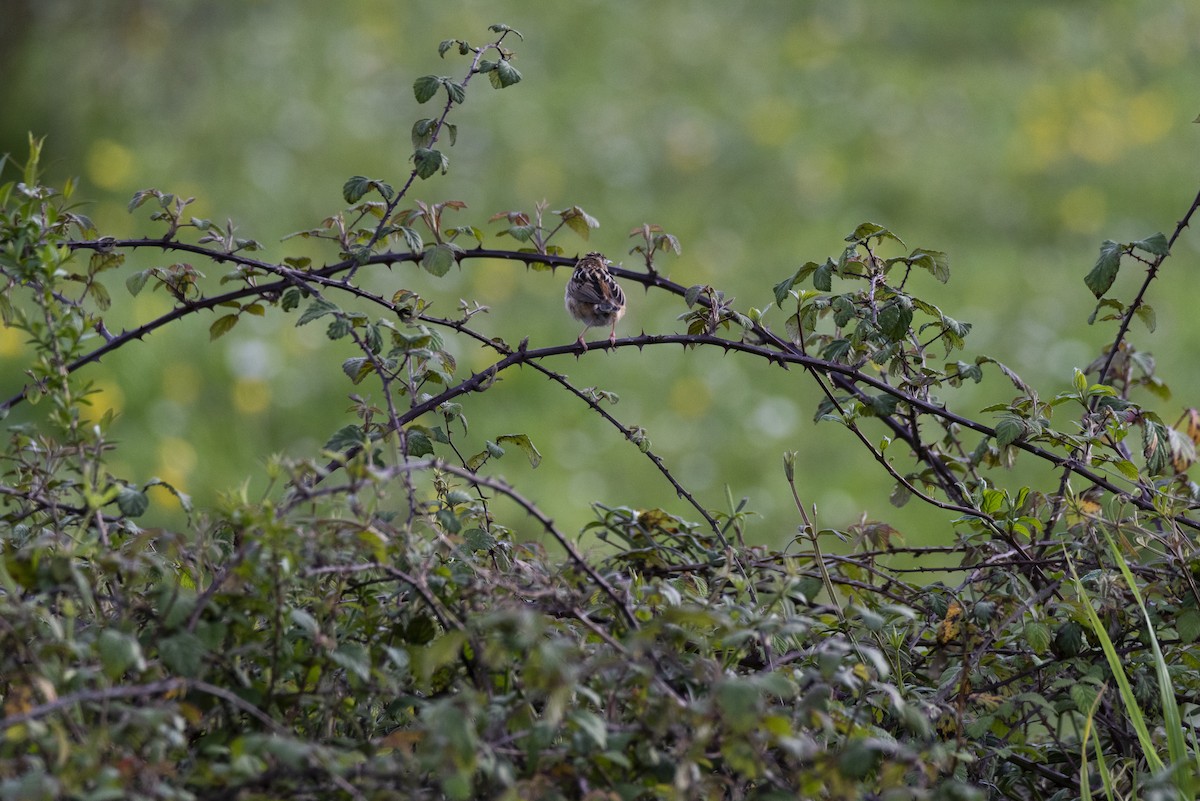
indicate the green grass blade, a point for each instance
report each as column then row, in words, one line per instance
column 1132, row 709
column 1172, row 720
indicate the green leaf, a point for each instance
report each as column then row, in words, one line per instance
column 739, row 701
column 418, row 443
column 1156, row 244
column 119, row 652
column 1145, row 313
column 783, row 289
column 823, row 276
column 425, row 87
column 132, row 502
column 1101, row 277
column 221, row 326
column 353, row 657
column 355, row 188
column 836, row 351
column 500, row 27
column 1038, row 636
column 504, row 75
column 1083, row 695
column 438, row 259
column 422, row 133
column 1010, row 429
column 523, row 442
column 137, row 281
column 935, row 261
column 1188, row 625
column 895, row 318
column 411, row 238
column 457, row 92
column 346, row 437
column 317, row 309
column 357, row 368
column 1156, row 446
column 338, row 327
column 592, row 726
column 183, row 654
column 290, row 300
column 428, row 162
column 579, row 221
column 870, row 230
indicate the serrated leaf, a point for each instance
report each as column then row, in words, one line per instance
column 1187, row 624
column 425, row 87
column 100, row 295
column 1156, row 244
column 438, row 259
column 418, row 443
column 783, row 289
column 221, row 326
column 1083, row 695
column 355, row 188
column 290, row 299
column 1038, row 636
column 504, row 75
column 523, row 442
column 457, row 92
column 692, row 295
column 935, row 261
column 412, row 238
column 317, row 309
column 1102, row 275
column 836, row 351
column 1156, row 446
column 339, row 327
column 1127, row 468
column 428, row 162
column 579, row 221
column 894, row 320
column 1009, row 430
column 357, row 368
column 869, row 230
column 348, row 436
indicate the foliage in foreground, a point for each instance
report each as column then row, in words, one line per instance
column 368, row 630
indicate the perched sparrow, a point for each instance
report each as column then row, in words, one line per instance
column 593, row 296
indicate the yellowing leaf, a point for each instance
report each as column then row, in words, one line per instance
column 951, row 626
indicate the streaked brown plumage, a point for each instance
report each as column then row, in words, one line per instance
column 593, row 296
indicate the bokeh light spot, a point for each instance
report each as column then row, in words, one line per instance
column 251, row 396
column 1083, row 209
column 176, row 460
column 689, row 397
column 109, row 164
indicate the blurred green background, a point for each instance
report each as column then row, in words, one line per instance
column 1015, row 136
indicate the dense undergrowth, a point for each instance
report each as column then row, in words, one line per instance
column 367, row 629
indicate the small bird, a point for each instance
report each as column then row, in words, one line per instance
column 594, row 297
